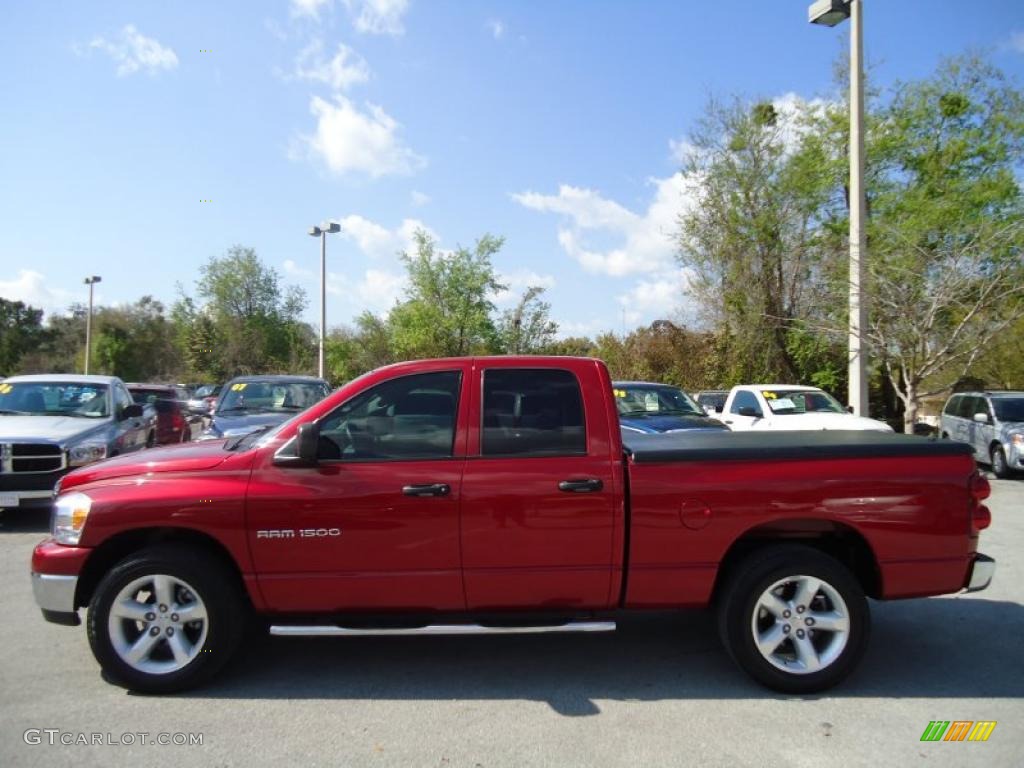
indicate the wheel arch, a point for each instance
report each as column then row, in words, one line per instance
column 121, row 545
column 838, row 540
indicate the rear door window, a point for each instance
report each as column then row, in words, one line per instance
column 532, row 412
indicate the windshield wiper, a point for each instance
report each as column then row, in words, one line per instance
column 4, row 411
column 234, row 443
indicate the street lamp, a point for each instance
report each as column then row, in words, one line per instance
column 322, row 231
column 90, row 281
column 829, row 13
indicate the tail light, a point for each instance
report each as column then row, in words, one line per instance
column 177, row 421
column 981, row 517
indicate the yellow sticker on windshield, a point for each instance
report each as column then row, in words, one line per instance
column 769, row 395
column 237, row 387
column 5, row 388
column 619, row 392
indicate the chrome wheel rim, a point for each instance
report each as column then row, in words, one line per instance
column 158, row 624
column 800, row 624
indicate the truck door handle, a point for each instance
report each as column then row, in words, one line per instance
column 728, row 421
column 588, row 485
column 430, row 489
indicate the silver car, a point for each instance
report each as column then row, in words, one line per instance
column 993, row 423
column 52, row 423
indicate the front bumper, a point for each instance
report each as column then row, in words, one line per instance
column 55, row 571
column 55, row 596
column 980, row 576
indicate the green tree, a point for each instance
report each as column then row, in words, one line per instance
column 246, row 321
column 946, row 248
column 449, row 301
column 527, row 328
column 21, row 330
column 754, row 239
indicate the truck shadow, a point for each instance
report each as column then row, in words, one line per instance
column 24, row 521
column 934, row 648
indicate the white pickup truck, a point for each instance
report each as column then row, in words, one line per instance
column 790, row 407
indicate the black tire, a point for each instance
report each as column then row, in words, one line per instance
column 999, row 466
column 738, row 603
column 150, row 439
column 216, row 588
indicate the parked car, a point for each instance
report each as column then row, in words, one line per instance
column 990, row 422
column 169, row 406
column 712, row 400
column 650, row 408
column 50, row 423
column 204, row 399
column 251, row 402
column 787, row 407
column 495, row 495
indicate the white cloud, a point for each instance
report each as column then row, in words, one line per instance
column 32, row 288
column 132, row 51
column 377, row 290
column 343, row 70
column 645, row 241
column 418, row 199
column 351, row 141
column 680, row 150
column 308, row 8
column 379, row 242
column 294, row 270
column 518, row 282
column 378, row 17
column 654, row 298
column 496, row 27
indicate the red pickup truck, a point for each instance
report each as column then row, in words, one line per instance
column 495, row 495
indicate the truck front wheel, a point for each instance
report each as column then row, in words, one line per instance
column 795, row 619
column 165, row 619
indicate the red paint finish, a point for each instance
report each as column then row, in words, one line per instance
column 506, row 537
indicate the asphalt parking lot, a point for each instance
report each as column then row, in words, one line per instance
column 660, row 691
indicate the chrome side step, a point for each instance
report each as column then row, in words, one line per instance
column 439, row 629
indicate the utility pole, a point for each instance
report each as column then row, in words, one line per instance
column 90, row 281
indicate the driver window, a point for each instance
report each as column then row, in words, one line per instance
column 745, row 399
column 411, row 417
column 121, row 400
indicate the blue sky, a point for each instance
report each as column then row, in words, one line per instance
column 551, row 123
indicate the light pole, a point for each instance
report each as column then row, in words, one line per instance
column 322, row 231
column 90, row 281
column 830, row 13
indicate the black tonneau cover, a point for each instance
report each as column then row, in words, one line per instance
column 771, row 446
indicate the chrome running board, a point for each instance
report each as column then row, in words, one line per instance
column 439, row 629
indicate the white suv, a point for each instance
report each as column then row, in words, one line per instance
column 992, row 422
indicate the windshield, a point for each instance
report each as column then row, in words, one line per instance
column 789, row 401
column 270, row 396
column 52, row 398
column 206, row 391
column 1009, row 408
column 654, row 401
column 147, row 396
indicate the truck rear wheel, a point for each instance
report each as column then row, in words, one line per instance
column 165, row 619
column 794, row 619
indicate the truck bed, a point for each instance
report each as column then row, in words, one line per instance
column 760, row 446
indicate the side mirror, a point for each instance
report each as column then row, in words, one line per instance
column 746, row 410
column 718, row 408
column 133, row 411
column 849, row 409
column 307, row 442
column 981, row 418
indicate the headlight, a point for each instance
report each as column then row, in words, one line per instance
column 1017, row 440
column 86, row 453
column 69, row 514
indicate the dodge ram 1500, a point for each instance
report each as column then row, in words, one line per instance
column 481, row 495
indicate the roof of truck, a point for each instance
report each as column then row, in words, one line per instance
column 63, row 378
